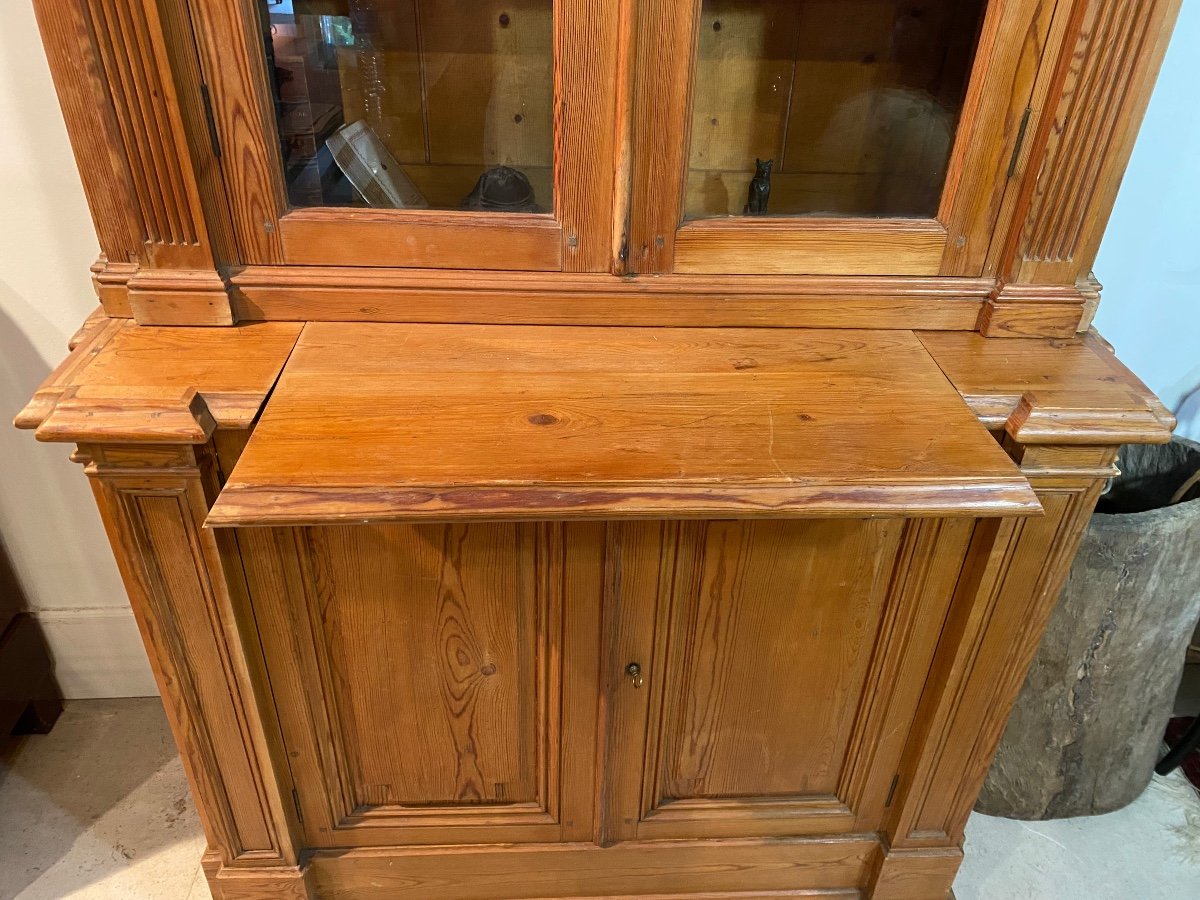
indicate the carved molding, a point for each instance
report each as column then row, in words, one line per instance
column 1033, row 310
column 151, row 183
column 1106, row 72
column 138, row 94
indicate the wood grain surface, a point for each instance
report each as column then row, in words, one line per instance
column 374, row 422
column 1070, row 391
column 435, row 683
column 129, row 383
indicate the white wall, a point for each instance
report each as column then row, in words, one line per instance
column 1150, row 264
column 1150, row 260
column 48, row 522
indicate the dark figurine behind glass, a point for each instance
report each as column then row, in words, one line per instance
column 760, row 188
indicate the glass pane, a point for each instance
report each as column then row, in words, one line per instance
column 415, row 104
column 828, row 107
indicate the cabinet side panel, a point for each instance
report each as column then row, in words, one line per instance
column 1014, row 573
column 173, row 572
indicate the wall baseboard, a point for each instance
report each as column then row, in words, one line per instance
column 97, row 653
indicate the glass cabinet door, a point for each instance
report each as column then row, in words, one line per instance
column 821, row 136
column 436, row 133
column 406, row 105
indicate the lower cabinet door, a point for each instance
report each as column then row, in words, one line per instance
column 764, row 674
column 435, row 683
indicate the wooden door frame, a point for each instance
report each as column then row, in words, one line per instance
column 577, row 237
column 1012, row 42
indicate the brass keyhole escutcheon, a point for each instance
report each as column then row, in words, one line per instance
column 634, row 671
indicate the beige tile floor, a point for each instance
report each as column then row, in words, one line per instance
column 99, row 809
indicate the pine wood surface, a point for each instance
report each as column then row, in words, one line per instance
column 1072, row 391
column 601, row 422
column 530, row 298
column 441, row 708
column 817, row 247
column 151, row 383
column 177, row 214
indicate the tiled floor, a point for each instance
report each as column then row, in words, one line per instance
column 99, row 809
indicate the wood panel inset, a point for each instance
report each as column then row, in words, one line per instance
column 435, row 683
column 772, row 628
column 433, row 653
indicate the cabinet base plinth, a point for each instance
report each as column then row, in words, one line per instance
column 828, row 867
column 259, row 883
column 916, row 874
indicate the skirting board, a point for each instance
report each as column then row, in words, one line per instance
column 97, row 653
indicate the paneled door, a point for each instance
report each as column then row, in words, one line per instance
column 827, row 137
column 765, row 674
column 435, row 683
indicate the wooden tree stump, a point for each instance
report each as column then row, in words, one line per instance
column 1086, row 731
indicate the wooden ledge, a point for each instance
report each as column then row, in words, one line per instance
column 417, row 422
column 244, row 505
column 1056, row 417
column 84, row 414
column 93, row 336
column 1070, row 391
column 128, row 383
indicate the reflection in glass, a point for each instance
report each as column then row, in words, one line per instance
column 415, row 104
column 852, row 103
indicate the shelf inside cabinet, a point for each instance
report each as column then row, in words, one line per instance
column 376, row 422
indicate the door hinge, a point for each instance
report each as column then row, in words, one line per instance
column 213, row 136
column 1012, row 165
column 296, row 803
column 892, row 790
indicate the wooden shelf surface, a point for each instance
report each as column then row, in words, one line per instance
column 376, row 422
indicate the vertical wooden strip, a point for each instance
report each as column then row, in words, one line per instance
column 154, row 518
column 925, row 573
column 115, row 58
column 638, row 568
column 586, row 57
column 92, row 126
column 1106, row 72
column 142, row 91
column 229, row 36
column 180, row 48
column 149, row 120
column 1015, row 571
column 1010, row 52
column 665, row 42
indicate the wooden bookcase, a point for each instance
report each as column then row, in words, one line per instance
column 546, row 501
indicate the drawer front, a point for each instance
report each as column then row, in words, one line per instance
column 435, row 683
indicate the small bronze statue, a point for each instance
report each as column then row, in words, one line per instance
column 502, row 189
column 760, row 188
